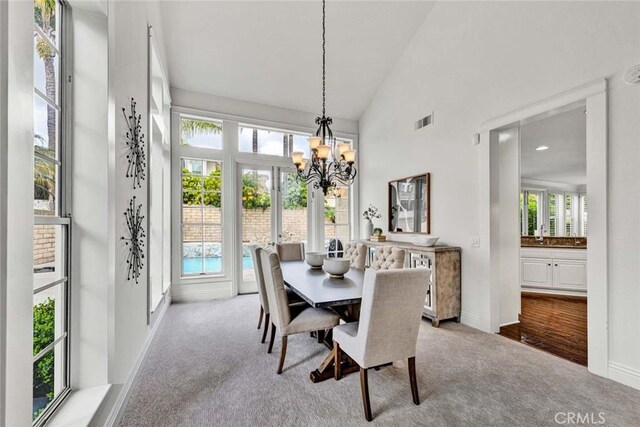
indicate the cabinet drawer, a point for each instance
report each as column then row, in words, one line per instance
column 570, row 274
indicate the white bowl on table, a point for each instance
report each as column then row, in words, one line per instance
column 424, row 239
column 315, row 259
column 336, row 267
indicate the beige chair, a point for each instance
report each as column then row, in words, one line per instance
column 262, row 293
column 388, row 258
column 390, row 313
column 290, row 251
column 286, row 320
column 357, row 254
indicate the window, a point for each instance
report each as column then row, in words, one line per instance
column 583, row 214
column 553, row 213
column 273, row 142
column 201, row 133
column 532, row 213
column 336, row 215
column 51, row 222
column 201, row 217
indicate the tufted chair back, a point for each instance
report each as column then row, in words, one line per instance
column 357, row 254
column 388, row 258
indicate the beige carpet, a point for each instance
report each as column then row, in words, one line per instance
column 206, row 367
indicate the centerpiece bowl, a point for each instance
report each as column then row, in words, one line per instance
column 336, row 267
column 314, row 259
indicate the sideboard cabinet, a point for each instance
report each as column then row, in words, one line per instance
column 443, row 299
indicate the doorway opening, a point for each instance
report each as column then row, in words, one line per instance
column 517, row 212
column 553, row 227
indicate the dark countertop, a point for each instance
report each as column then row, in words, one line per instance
column 554, row 242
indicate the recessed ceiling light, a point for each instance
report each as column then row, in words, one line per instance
column 542, row 148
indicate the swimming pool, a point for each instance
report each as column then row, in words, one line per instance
column 211, row 265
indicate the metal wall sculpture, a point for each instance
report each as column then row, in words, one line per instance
column 136, row 156
column 135, row 239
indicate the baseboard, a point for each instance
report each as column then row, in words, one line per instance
column 624, row 374
column 201, row 291
column 121, row 402
column 471, row 319
column 502, row 325
column 554, row 292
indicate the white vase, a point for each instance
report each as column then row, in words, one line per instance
column 367, row 228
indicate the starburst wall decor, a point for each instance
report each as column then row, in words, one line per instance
column 136, row 156
column 135, row 240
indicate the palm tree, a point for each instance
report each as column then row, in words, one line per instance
column 45, row 17
column 43, row 173
column 192, row 127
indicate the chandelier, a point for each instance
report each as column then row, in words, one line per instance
column 331, row 163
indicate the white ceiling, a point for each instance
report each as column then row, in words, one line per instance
column 565, row 161
column 269, row 52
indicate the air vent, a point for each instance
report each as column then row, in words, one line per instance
column 425, row 121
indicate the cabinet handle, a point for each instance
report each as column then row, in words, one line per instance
column 556, row 265
column 549, row 264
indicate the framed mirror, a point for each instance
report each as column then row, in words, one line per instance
column 410, row 205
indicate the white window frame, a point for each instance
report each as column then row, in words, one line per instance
column 231, row 158
column 63, row 206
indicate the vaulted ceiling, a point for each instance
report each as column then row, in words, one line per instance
column 270, row 51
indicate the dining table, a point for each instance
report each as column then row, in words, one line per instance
column 319, row 290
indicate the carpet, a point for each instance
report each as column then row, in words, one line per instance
column 206, row 367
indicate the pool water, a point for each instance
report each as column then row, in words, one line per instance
column 211, row 265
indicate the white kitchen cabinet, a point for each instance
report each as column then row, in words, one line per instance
column 536, row 272
column 554, row 269
column 570, row 274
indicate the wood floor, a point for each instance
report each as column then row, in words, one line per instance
column 553, row 323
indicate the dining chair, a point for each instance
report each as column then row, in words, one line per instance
column 390, row 313
column 288, row 320
column 388, row 258
column 290, row 251
column 262, row 293
column 357, row 253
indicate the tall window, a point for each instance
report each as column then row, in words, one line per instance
column 51, row 221
column 201, row 217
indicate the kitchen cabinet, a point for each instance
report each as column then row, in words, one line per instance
column 553, row 269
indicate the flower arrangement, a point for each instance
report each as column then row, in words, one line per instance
column 371, row 212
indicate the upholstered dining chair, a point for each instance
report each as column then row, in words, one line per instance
column 293, row 298
column 388, row 258
column 285, row 320
column 357, row 254
column 290, row 251
column 390, row 313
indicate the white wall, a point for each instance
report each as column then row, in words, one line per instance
column 17, row 145
column 4, row 43
column 253, row 111
column 471, row 62
column 128, row 329
column 89, row 284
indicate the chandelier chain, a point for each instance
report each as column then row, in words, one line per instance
column 324, row 52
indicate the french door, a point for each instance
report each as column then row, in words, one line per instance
column 273, row 207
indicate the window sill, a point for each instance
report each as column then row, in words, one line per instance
column 80, row 407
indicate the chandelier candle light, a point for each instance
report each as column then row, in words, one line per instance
column 331, row 163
